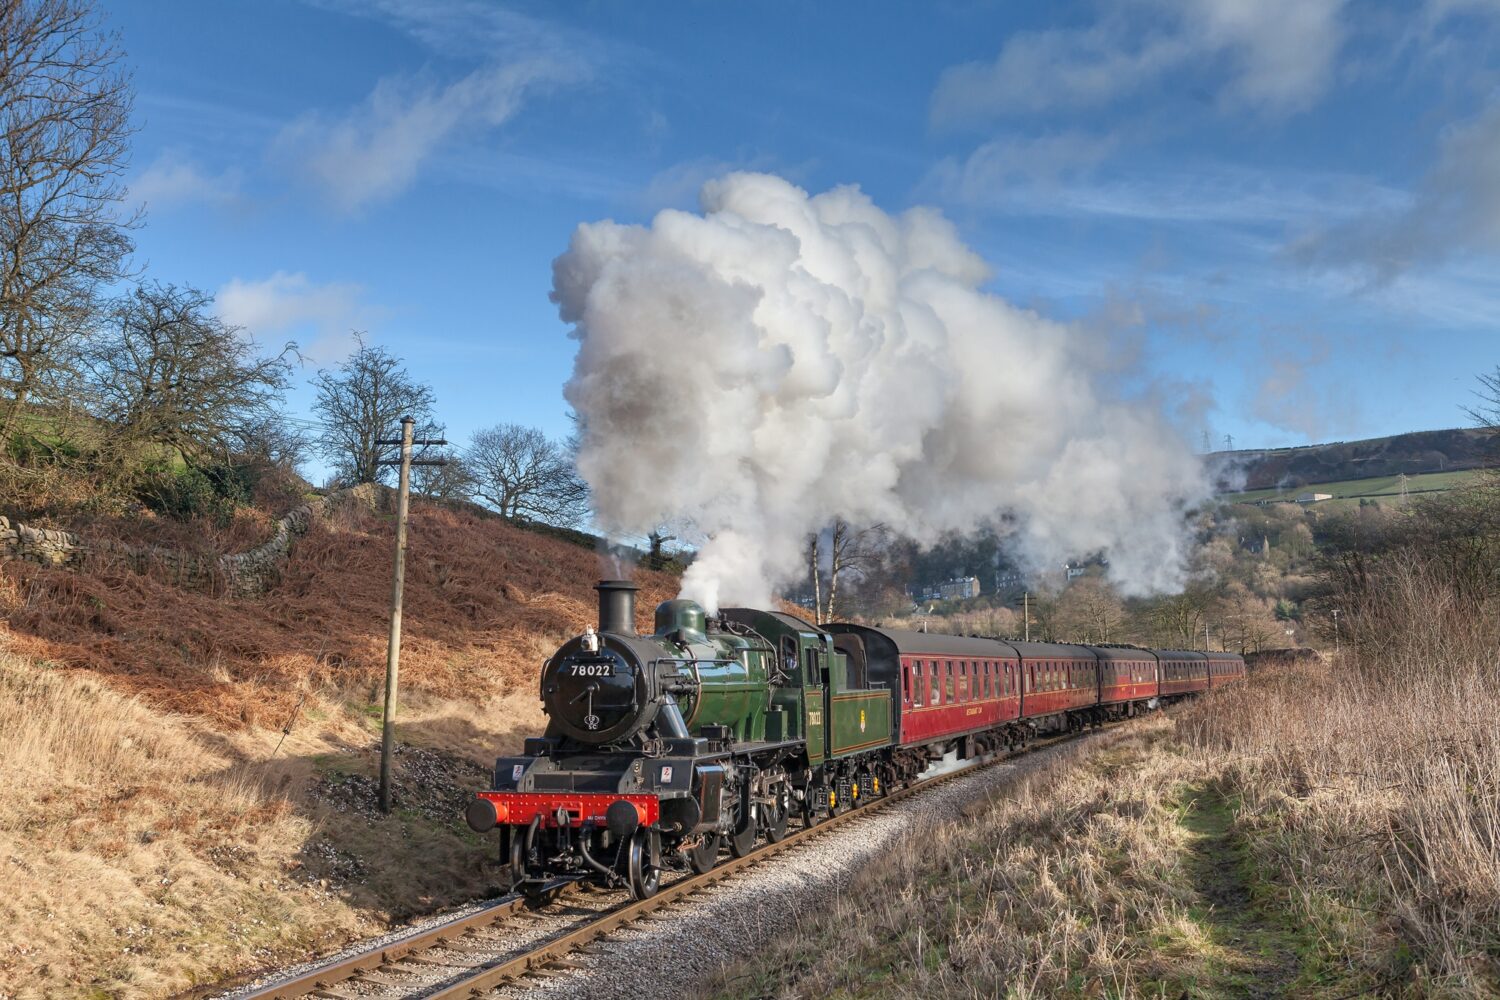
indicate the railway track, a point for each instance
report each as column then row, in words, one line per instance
column 502, row 943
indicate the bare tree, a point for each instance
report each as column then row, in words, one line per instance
column 1180, row 617
column 815, row 571
column 168, row 372
column 851, row 551
column 1247, row 622
column 1090, row 610
column 450, row 481
column 65, row 108
column 274, row 441
column 657, row 539
column 1486, row 412
column 361, row 402
column 524, row 475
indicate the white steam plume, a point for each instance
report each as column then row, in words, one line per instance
column 783, row 359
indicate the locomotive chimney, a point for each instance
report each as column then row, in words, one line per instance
column 617, row 606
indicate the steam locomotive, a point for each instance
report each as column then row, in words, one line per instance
column 663, row 749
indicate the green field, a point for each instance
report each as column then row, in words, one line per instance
column 1381, row 487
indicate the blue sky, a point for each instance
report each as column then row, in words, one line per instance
column 1285, row 212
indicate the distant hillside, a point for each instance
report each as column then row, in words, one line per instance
column 1413, row 454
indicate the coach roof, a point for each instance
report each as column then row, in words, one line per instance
column 911, row 643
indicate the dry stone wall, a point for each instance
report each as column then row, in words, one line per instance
column 241, row 574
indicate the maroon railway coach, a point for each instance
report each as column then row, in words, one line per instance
column 1225, row 668
column 1183, row 672
column 948, row 688
column 1128, row 680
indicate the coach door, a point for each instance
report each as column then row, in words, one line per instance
column 815, row 681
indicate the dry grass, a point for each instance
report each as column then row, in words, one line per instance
column 1372, row 799
column 144, row 852
column 1328, row 830
column 485, row 603
column 1071, row 883
column 1371, row 786
column 190, row 780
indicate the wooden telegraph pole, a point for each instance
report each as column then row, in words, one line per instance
column 398, row 583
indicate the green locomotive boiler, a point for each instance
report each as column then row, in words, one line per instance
column 660, row 749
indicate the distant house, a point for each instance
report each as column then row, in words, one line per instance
column 1313, row 497
column 952, row 590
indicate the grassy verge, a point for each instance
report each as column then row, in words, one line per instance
column 1224, row 853
column 143, row 852
column 1115, row 871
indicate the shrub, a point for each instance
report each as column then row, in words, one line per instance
column 211, row 492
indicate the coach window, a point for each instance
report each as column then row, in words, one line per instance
column 918, row 684
column 948, row 685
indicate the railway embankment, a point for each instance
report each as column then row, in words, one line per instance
column 1316, row 833
column 190, row 774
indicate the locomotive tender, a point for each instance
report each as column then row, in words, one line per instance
column 661, row 749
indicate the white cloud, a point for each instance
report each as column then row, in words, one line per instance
column 290, row 304
column 376, row 151
column 1277, row 56
column 173, row 180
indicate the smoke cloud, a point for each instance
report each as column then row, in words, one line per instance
column 782, row 359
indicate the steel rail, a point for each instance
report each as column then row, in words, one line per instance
column 332, row 973
column 320, row 980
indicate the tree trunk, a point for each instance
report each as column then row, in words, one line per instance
column 836, row 553
column 812, row 567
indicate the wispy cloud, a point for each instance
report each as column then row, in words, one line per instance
column 1274, row 56
column 376, row 151
column 1056, row 178
column 470, row 28
column 1456, row 208
column 988, row 175
column 291, row 304
column 174, row 180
